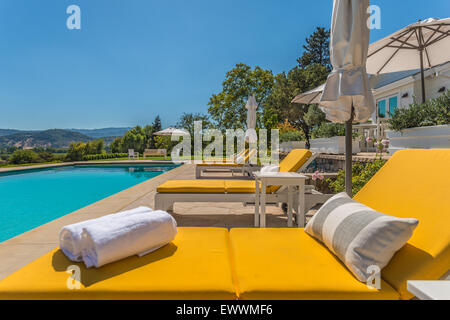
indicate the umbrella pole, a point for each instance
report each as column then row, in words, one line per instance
column 422, row 76
column 348, row 154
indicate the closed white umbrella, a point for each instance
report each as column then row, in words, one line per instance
column 171, row 132
column 421, row 45
column 347, row 95
column 251, row 107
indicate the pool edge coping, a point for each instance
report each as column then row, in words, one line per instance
column 80, row 163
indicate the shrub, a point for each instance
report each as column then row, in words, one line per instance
column 292, row 136
column 104, row 156
column 328, row 130
column 76, row 151
column 46, row 156
column 361, row 174
column 431, row 113
column 24, row 156
column 94, row 147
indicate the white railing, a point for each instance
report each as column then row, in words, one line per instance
column 370, row 130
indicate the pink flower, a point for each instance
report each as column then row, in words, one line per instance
column 316, row 175
column 369, row 140
column 385, row 142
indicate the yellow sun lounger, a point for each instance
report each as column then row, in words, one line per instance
column 187, row 268
column 213, row 263
column 174, row 191
column 227, row 165
column 289, row 264
column 214, row 160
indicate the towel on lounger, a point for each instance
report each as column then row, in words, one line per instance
column 116, row 239
column 70, row 236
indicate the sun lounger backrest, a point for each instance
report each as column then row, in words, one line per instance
column 249, row 154
column 292, row 163
column 415, row 184
column 294, row 160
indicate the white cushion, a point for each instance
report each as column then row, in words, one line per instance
column 270, row 168
column 358, row 235
column 240, row 160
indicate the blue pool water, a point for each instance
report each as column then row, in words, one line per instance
column 31, row 198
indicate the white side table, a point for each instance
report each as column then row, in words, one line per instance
column 289, row 179
column 430, row 290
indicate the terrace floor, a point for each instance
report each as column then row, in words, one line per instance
column 23, row 249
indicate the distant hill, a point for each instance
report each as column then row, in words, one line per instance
column 6, row 132
column 102, row 133
column 56, row 138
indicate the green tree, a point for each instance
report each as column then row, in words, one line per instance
column 76, row 152
column 298, row 80
column 24, row 156
column 316, row 49
column 312, row 70
column 163, row 142
column 134, row 139
column 116, row 145
column 227, row 108
column 149, row 130
column 95, row 147
column 187, row 120
column 157, row 124
column 149, row 138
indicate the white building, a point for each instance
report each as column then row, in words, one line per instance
column 398, row 89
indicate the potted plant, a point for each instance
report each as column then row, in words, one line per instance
column 421, row 126
column 330, row 138
column 290, row 140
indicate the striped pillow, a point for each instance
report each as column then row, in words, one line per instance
column 358, row 235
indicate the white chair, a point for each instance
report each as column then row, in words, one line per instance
column 133, row 154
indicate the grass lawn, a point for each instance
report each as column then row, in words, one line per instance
column 140, row 158
column 27, row 164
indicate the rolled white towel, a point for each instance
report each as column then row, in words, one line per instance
column 137, row 234
column 270, row 168
column 70, row 236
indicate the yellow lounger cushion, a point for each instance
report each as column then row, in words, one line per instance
column 415, row 184
column 196, row 265
column 192, row 186
column 289, row 264
column 208, row 186
column 295, row 160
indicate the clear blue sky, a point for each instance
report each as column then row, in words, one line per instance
column 135, row 59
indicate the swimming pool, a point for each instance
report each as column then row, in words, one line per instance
column 30, row 198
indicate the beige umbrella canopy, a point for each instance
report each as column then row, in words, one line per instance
column 171, row 132
column 313, row 96
column 421, row 45
column 347, row 95
column 310, row 97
